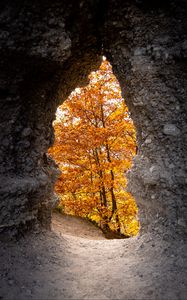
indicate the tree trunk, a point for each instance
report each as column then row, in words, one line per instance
column 103, row 196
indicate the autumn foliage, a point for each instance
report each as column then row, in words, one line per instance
column 94, row 146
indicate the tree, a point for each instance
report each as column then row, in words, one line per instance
column 94, row 147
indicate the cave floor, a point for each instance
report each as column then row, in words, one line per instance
column 75, row 261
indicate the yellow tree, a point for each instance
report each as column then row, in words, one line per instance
column 94, row 147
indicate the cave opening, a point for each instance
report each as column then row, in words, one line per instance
column 95, row 142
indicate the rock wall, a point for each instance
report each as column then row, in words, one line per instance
column 147, row 47
column 49, row 48
column 46, row 51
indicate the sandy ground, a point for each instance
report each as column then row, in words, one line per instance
column 66, row 225
column 75, row 261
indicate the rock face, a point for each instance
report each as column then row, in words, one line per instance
column 47, row 49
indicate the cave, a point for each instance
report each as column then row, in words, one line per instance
column 48, row 49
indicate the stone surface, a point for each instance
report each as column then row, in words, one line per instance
column 47, row 49
column 171, row 129
column 75, row 261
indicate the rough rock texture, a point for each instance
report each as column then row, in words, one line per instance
column 41, row 63
column 47, row 49
column 148, row 55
